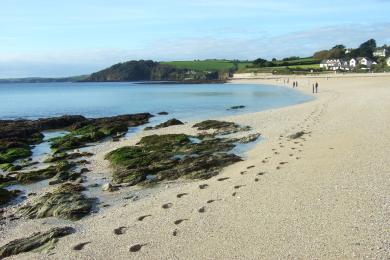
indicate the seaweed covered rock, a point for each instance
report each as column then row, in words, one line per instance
column 16, row 136
column 9, row 167
column 65, row 176
column 6, row 180
column 12, row 154
column 43, row 174
column 67, row 156
column 220, row 127
column 95, row 130
column 66, row 202
column 168, row 123
column 38, row 242
column 168, row 157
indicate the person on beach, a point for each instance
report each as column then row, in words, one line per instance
column 293, row 84
column 296, row 84
column 316, row 87
column 313, row 87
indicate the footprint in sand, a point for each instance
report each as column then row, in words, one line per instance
column 250, row 167
column 203, row 186
column 180, row 195
column 136, row 247
column 175, row 232
column 238, row 186
column 278, row 168
column 143, row 217
column 243, row 172
column 202, row 210
column 167, row 205
column 234, row 194
column 179, row 221
column 120, row 230
column 211, row 201
column 256, row 179
column 282, row 163
column 80, row 246
column 223, row 179
column 261, row 173
column 291, row 155
column 276, row 153
column 264, row 161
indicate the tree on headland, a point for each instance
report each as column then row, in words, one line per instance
column 367, row 48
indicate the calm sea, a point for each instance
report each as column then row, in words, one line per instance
column 185, row 102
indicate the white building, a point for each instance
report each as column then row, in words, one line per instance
column 365, row 62
column 331, row 64
column 352, row 63
column 388, row 61
column 381, row 52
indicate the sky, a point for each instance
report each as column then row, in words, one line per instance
column 49, row 38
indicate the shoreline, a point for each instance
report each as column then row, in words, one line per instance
column 327, row 200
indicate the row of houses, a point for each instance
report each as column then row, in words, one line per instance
column 343, row 64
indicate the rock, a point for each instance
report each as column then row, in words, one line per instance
column 163, row 113
column 67, row 156
column 66, row 202
column 297, row 135
column 12, row 154
column 168, row 123
column 108, row 187
column 64, row 176
column 95, row 130
column 16, row 136
column 6, row 196
column 236, row 107
column 249, row 138
column 169, row 157
column 59, row 170
column 220, row 127
column 38, row 242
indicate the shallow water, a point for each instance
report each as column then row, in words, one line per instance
column 185, row 102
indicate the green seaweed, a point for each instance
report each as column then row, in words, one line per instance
column 169, row 157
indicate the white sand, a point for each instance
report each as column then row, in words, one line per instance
column 330, row 201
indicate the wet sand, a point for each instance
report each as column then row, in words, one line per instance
column 323, row 196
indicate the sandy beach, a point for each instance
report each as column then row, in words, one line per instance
column 326, row 196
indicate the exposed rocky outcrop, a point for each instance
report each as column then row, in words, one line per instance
column 168, row 123
column 66, row 202
column 220, row 127
column 38, row 242
column 43, row 174
column 95, row 130
column 169, row 157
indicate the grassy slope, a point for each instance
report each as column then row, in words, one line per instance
column 224, row 65
column 205, row 65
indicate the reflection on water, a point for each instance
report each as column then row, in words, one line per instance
column 40, row 151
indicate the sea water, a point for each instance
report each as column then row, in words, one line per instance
column 182, row 101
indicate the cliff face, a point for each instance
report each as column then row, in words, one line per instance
column 150, row 70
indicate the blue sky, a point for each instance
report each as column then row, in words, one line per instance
column 73, row 37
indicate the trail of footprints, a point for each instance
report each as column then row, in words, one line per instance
column 292, row 146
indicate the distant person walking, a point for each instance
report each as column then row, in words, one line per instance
column 296, row 84
column 316, row 87
column 293, row 84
